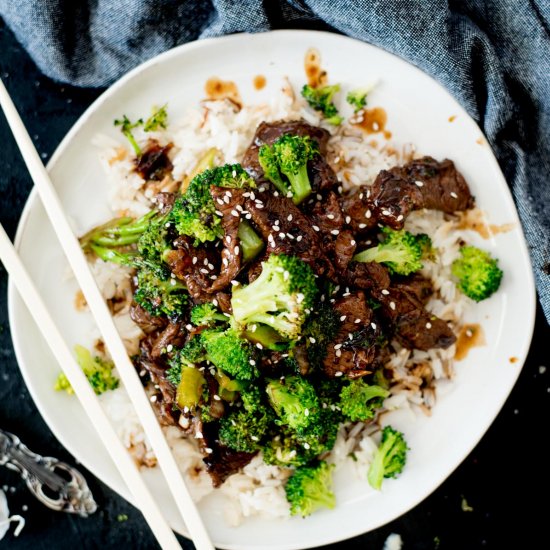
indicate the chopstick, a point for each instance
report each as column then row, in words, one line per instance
column 119, row 454
column 105, row 323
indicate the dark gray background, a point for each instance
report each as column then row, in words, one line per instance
column 499, row 479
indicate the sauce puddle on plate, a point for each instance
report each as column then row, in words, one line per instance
column 470, row 336
column 372, row 121
column 475, row 220
column 315, row 75
column 216, row 88
column 259, row 82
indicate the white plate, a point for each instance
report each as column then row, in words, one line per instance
column 418, row 111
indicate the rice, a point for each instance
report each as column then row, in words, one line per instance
column 259, row 488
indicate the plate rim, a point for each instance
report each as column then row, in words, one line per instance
column 33, row 198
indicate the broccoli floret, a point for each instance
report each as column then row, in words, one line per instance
column 320, row 99
column 358, row 98
column 158, row 293
column 280, row 297
column 207, row 315
column 244, row 429
column 400, row 251
column 194, row 213
column 191, row 354
column 250, row 242
column 159, row 119
column 426, row 245
column 477, row 272
column 310, row 488
column 389, row 459
column 295, row 402
column 289, row 156
column 359, row 401
column 98, row 371
column 320, row 436
column 266, row 337
column 319, row 331
column 287, row 451
column 231, row 353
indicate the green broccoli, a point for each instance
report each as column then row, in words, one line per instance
column 190, row 355
column 319, row 331
column 158, row 120
column 359, row 401
column 289, row 156
column 98, row 371
column 400, row 251
column 190, row 388
column 251, row 244
column 389, row 459
column 281, row 297
column 358, row 98
column 159, row 293
column 243, row 429
column 207, row 315
column 310, row 488
column 126, row 127
column 295, row 402
column 320, row 99
column 234, row 355
column 477, row 272
column 266, row 336
column 194, row 213
column 287, row 451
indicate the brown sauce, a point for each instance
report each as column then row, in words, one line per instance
column 216, row 88
column 373, row 121
column 452, row 118
column 470, row 336
column 315, row 75
column 474, row 220
column 513, row 360
column 259, row 82
column 80, row 303
column 480, row 141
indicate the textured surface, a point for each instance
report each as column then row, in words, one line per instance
column 497, row 479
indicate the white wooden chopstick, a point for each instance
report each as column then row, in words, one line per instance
column 122, row 459
column 105, row 323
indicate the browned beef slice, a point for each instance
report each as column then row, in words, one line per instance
column 224, row 302
column 391, row 198
column 288, row 231
column 164, row 201
column 349, row 356
column 357, row 210
column 343, row 250
column 417, row 285
column 326, row 214
column 153, row 163
column 321, row 174
column 172, row 334
column 145, row 320
column 442, row 186
column 367, row 275
column 224, row 462
column 229, row 202
column 415, row 328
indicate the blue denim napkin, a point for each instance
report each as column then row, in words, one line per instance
column 493, row 56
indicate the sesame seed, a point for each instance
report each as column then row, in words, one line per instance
column 312, row 340
column 173, row 282
column 368, row 214
column 373, row 325
column 189, row 327
column 167, row 224
column 352, row 242
column 357, row 321
column 348, row 219
column 259, row 346
column 217, row 397
column 282, row 235
column 428, row 325
column 386, row 212
column 169, row 348
column 350, row 336
column 335, row 232
column 275, row 194
column 226, row 199
column 252, row 362
column 153, row 398
column 306, row 446
column 392, row 305
column 234, row 213
column 454, row 195
column 339, row 373
column 315, row 227
column 306, row 412
column 319, row 197
column 208, row 450
column 343, row 318
column 219, row 201
column 400, row 217
column 225, row 262
column 289, row 217
column 194, row 261
column 385, row 292
column 254, row 438
column 330, row 216
column 299, row 238
column 418, row 183
column 202, row 270
column 362, row 225
column 210, row 266
column 337, row 346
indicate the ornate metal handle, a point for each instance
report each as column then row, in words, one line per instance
column 56, row 484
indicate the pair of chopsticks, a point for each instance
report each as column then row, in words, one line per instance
column 130, row 378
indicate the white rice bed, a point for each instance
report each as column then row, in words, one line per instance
column 259, row 488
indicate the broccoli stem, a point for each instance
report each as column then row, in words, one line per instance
column 299, row 182
column 189, row 391
column 110, row 255
column 251, row 244
column 133, row 142
column 266, row 336
column 375, row 255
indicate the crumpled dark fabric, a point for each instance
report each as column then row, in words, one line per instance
column 493, row 56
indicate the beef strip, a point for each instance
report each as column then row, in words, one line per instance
column 223, row 462
column 417, row 285
column 172, row 334
column 146, row 321
column 326, row 214
column 352, row 356
column 441, row 185
column 164, row 201
column 343, row 250
column 153, row 163
column 322, row 176
column 299, row 238
column 367, row 275
column 415, row 328
column 224, row 302
column 357, row 210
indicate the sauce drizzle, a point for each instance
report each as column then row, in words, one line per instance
column 470, row 336
column 215, row 88
column 315, row 75
column 475, row 220
column 259, row 82
column 372, row 121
